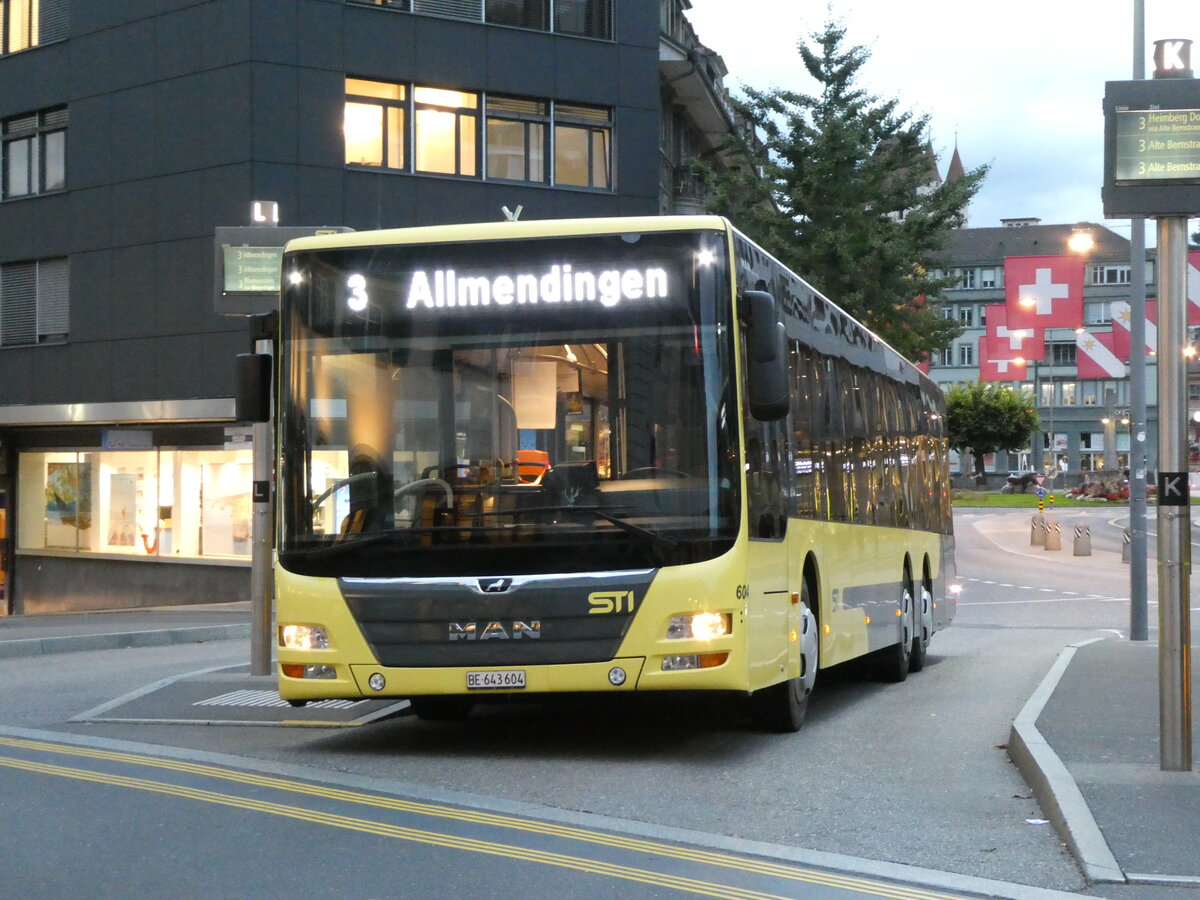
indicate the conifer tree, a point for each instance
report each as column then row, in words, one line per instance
column 843, row 198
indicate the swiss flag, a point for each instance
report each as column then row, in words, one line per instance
column 1095, row 358
column 1044, row 291
column 1122, row 317
column 1012, row 343
column 994, row 365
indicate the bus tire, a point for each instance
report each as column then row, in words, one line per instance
column 782, row 707
column 922, row 617
column 894, row 661
column 450, row 708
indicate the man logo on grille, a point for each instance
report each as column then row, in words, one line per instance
column 494, row 585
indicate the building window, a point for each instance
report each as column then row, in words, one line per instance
column 947, row 356
column 34, row 302
column 582, row 146
column 588, row 18
column 966, row 355
column 947, row 311
column 31, row 23
column 966, row 278
column 162, row 503
column 1062, row 354
column 966, row 316
column 519, row 13
column 416, row 128
column 987, row 278
column 35, row 153
column 1096, row 312
column 517, row 132
column 446, row 131
column 1102, row 274
column 584, row 18
column 374, row 123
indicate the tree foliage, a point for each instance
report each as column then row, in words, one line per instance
column 843, row 196
column 983, row 417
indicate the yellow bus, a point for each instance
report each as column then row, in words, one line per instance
column 605, row 455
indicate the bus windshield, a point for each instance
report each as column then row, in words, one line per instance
column 552, row 405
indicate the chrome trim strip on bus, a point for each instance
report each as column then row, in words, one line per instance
column 215, row 409
column 514, row 581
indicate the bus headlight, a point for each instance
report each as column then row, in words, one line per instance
column 303, row 637
column 700, row 626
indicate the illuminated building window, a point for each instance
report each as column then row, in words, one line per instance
column 374, row 127
column 25, row 24
column 431, row 130
column 446, row 131
column 161, row 503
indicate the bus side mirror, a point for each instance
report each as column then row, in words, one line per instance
column 253, row 401
column 766, row 363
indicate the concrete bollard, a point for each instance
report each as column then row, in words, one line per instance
column 1083, row 540
column 1125, row 549
column 1037, row 531
column 1053, row 535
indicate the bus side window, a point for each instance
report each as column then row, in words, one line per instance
column 766, row 465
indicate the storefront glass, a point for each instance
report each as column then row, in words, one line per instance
column 144, row 503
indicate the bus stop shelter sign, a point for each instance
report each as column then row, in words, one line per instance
column 1152, row 147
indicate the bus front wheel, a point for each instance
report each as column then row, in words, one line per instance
column 441, row 709
column 782, row 707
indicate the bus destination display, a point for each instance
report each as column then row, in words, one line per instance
column 1157, row 145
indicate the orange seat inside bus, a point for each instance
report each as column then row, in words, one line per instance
column 532, row 465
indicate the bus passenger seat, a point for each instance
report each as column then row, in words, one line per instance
column 532, row 465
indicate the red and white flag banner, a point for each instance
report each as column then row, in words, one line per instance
column 996, row 365
column 1044, row 291
column 1122, row 320
column 1094, row 356
column 1012, row 343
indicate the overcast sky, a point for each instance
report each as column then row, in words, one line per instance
column 1018, row 84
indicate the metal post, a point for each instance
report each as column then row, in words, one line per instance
column 260, row 543
column 1174, row 511
column 1138, row 624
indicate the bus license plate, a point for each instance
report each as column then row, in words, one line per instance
column 504, row 680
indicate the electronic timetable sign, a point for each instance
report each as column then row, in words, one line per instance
column 246, row 266
column 1157, row 145
column 1152, row 148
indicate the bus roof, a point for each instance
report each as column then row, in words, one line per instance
column 501, row 231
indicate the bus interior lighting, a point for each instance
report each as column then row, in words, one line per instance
column 705, row 626
column 303, row 637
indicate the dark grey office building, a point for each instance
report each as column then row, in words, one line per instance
column 131, row 131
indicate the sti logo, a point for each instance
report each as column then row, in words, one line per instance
column 604, row 602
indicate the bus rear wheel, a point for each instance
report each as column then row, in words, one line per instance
column 894, row 661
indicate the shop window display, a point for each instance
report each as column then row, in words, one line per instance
column 167, row 504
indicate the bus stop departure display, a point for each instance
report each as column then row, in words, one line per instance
column 1157, row 145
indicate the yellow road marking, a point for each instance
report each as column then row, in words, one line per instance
column 549, row 829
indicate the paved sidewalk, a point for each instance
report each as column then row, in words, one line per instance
column 1087, row 742
column 72, row 632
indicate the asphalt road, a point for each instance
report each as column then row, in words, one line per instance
column 912, row 774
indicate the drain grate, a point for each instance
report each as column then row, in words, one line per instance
column 270, row 699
